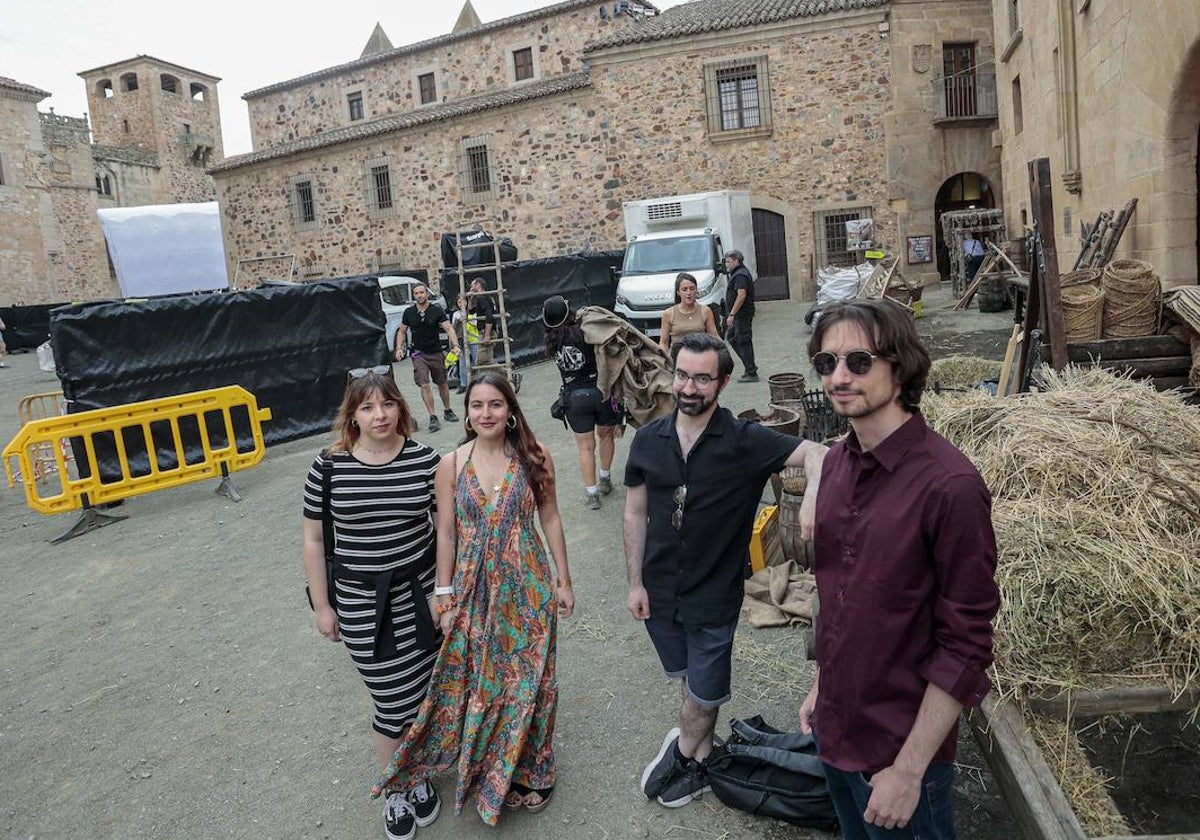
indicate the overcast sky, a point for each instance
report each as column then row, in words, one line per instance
column 246, row 43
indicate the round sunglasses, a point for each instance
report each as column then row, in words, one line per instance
column 858, row 362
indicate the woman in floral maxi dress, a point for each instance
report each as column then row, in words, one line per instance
column 491, row 703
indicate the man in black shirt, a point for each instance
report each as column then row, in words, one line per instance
column 739, row 304
column 483, row 308
column 427, row 321
column 694, row 479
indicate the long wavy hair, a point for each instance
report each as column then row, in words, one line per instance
column 357, row 391
column 520, row 437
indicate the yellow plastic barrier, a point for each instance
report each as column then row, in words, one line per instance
column 125, row 422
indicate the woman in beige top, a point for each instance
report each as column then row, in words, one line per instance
column 686, row 316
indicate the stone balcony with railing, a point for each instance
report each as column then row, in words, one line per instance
column 965, row 98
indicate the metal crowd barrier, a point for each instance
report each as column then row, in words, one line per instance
column 36, row 407
column 152, row 430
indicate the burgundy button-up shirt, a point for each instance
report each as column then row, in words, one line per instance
column 905, row 568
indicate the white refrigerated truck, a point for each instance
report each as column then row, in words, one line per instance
column 677, row 233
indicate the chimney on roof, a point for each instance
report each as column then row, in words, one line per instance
column 467, row 19
column 378, row 43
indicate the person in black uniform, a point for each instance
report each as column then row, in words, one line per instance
column 739, row 304
column 590, row 414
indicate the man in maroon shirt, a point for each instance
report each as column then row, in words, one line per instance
column 905, row 568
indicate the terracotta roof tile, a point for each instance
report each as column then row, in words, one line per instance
column 421, row 46
column 25, row 91
column 409, row 119
column 719, row 15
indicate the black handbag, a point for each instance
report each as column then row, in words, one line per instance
column 558, row 408
column 326, row 535
column 763, row 771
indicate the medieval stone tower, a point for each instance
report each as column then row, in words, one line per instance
column 161, row 118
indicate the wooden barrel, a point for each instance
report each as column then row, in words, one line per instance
column 785, row 386
column 782, row 420
column 801, row 417
column 795, row 547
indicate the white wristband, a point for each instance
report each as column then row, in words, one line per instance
column 443, row 590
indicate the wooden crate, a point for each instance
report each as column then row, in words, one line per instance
column 1038, row 804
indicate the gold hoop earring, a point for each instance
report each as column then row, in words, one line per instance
column 512, row 422
column 467, row 424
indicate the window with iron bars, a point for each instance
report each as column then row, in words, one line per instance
column 830, row 236
column 477, row 169
column 378, row 180
column 304, row 205
column 737, row 94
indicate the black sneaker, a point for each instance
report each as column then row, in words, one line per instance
column 399, row 821
column 450, row 416
column 662, row 769
column 748, row 377
column 434, row 423
column 423, row 799
column 691, row 783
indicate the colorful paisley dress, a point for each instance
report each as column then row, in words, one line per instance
column 492, row 699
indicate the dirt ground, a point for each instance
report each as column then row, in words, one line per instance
column 161, row 677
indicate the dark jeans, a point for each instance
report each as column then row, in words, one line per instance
column 741, row 338
column 972, row 266
column 933, row 819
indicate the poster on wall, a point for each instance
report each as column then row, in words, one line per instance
column 920, row 249
column 860, row 234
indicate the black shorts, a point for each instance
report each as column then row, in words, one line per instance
column 702, row 655
column 587, row 409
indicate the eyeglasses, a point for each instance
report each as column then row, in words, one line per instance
column 858, row 362
column 702, row 380
column 678, row 497
column 359, row 373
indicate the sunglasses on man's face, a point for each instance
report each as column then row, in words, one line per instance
column 359, row 373
column 858, row 362
column 678, row 497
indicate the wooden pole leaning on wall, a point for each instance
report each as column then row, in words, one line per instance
column 1046, row 266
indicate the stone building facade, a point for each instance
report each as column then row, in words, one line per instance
column 1110, row 93
column 539, row 126
column 147, row 145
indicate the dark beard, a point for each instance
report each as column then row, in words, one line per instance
column 694, row 407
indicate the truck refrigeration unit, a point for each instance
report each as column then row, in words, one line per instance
column 677, row 233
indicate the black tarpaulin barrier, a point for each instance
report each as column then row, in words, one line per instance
column 477, row 249
column 583, row 279
column 26, row 327
column 290, row 346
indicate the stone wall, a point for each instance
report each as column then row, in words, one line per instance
column 25, row 211
column 565, row 164
column 1112, row 97
column 462, row 66
column 922, row 154
column 548, row 191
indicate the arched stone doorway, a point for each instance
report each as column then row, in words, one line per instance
column 959, row 192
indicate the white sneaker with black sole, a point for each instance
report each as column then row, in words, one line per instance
column 424, row 802
column 399, row 821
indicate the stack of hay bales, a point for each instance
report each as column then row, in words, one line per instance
column 1096, row 486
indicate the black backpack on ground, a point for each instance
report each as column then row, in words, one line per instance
column 773, row 774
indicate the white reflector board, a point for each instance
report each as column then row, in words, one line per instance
column 163, row 249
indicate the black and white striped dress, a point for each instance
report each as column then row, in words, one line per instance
column 383, row 520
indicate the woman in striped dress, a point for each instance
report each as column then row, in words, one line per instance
column 381, row 504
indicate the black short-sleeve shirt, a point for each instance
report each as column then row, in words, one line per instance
column 424, row 328
column 741, row 278
column 694, row 574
